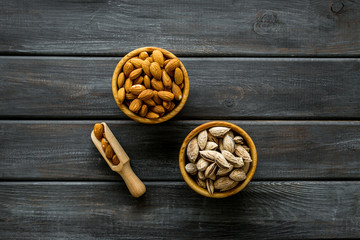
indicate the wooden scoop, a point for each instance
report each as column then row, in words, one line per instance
column 134, row 184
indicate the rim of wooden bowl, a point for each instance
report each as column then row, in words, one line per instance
column 125, row 108
column 182, row 159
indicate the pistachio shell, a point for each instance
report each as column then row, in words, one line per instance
column 191, row 168
column 238, row 175
column 192, row 150
column 219, row 131
column 210, row 186
column 235, row 161
column 238, row 140
column 211, row 146
column 202, row 164
column 228, row 143
column 221, row 161
column 202, row 139
column 223, row 182
column 241, row 152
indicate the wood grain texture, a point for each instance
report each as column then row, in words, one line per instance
column 263, row 210
column 220, row 88
column 62, row 150
column 301, row 28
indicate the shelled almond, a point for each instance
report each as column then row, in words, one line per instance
column 218, row 159
column 152, row 80
column 108, row 150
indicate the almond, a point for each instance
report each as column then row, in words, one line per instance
column 104, row 144
column 130, row 96
column 137, row 62
column 166, row 79
column 166, row 96
column 109, row 152
column 158, row 109
column 166, row 61
column 137, row 89
column 143, row 110
column 121, row 80
column 152, row 115
column 172, row 65
column 143, row 55
column 155, row 70
column 146, row 67
column 135, row 105
column 157, row 85
column 121, row 95
column 147, row 81
column 158, row 57
column 139, row 80
column 98, row 131
column 156, row 98
column 177, row 92
column 166, row 105
column 172, row 106
column 150, row 59
column 178, row 76
column 150, row 103
column 128, row 85
column 182, row 86
column 146, row 94
column 115, row 160
column 135, row 73
column 128, row 68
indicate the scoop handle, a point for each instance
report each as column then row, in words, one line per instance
column 134, row 184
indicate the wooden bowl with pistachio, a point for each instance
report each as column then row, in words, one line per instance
column 217, row 159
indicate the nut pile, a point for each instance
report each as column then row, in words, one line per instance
column 151, row 86
column 218, row 159
column 109, row 152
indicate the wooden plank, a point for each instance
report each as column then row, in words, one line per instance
column 301, row 28
column 48, row 150
column 221, row 88
column 263, row 210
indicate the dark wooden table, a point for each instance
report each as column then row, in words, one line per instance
column 288, row 72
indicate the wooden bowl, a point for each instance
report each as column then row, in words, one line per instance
column 189, row 180
column 125, row 108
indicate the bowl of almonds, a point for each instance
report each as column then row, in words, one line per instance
column 150, row 85
column 217, row 159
